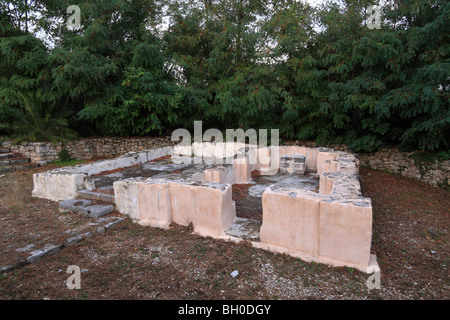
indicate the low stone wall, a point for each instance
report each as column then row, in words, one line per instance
column 395, row 161
column 86, row 149
column 64, row 183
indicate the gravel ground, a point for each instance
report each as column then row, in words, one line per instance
column 410, row 238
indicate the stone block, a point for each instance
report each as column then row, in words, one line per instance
column 127, row 197
column 324, row 154
column 291, row 221
column 95, row 211
column 242, row 171
column 154, row 205
column 73, row 204
column 215, row 175
column 182, row 202
column 214, row 210
column 35, row 255
column 292, row 164
column 50, row 249
column 345, row 231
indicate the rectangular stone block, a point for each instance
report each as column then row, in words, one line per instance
column 311, row 159
column 291, row 222
column 345, row 230
column 324, row 154
column 127, row 197
column 54, row 186
column 325, row 184
column 215, row 175
column 242, row 171
column 95, row 211
column 268, row 160
column 182, row 202
column 154, row 205
column 292, row 164
column 214, row 210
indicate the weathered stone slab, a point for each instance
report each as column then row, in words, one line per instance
column 154, row 205
column 35, row 255
column 73, row 204
column 96, row 210
column 246, row 229
column 50, row 249
column 291, row 220
column 293, row 164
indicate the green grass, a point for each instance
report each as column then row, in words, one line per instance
column 68, row 163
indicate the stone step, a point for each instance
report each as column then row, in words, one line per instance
column 92, row 195
column 4, row 150
column 15, row 167
column 13, row 161
column 85, row 207
column 247, row 229
column 8, row 155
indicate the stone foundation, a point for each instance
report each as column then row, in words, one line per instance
column 388, row 159
column 64, row 183
column 85, row 149
column 332, row 224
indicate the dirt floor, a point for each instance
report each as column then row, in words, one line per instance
column 410, row 238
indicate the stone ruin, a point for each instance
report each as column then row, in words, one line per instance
column 310, row 198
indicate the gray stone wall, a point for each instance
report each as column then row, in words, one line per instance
column 395, row 161
column 86, row 149
column 392, row 160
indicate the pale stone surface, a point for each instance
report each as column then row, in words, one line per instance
column 242, row 171
column 50, row 249
column 35, row 255
column 263, row 155
column 72, row 241
column 54, row 186
column 127, row 197
column 73, row 204
column 182, row 201
column 326, row 184
column 345, row 231
column 291, row 220
column 95, row 211
column 324, row 155
column 64, row 183
column 292, row 164
column 154, row 205
column 244, row 229
column 215, row 175
column 214, row 210
column 27, row 248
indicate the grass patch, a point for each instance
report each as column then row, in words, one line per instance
column 68, row 163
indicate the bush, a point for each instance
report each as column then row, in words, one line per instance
column 64, row 155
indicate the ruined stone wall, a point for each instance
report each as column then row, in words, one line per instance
column 394, row 161
column 86, row 149
column 388, row 159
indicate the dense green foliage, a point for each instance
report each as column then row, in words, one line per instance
column 316, row 73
